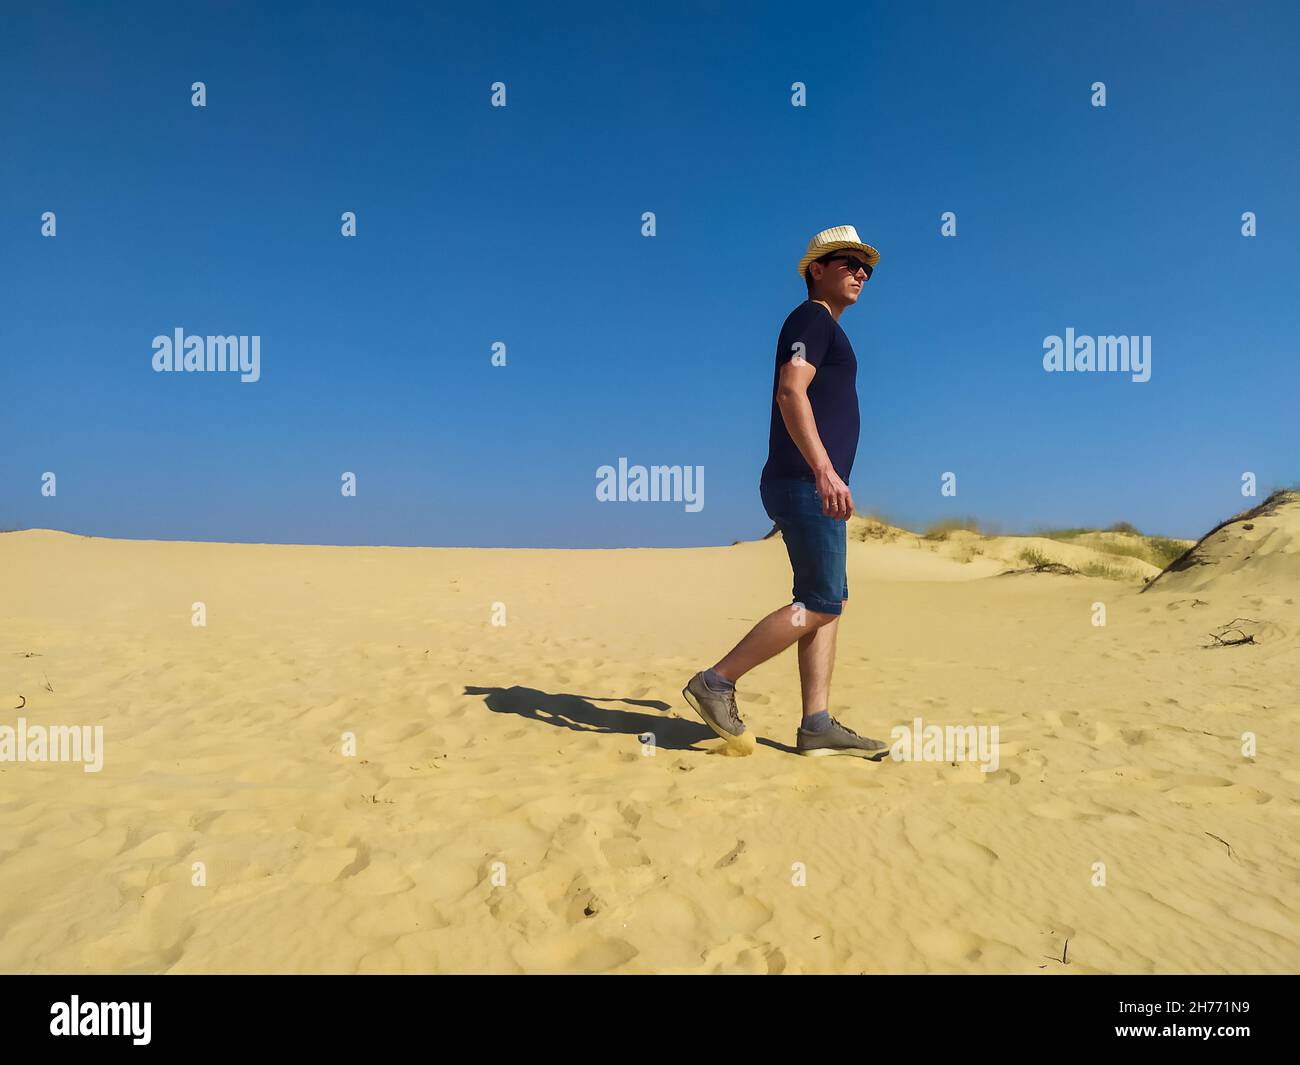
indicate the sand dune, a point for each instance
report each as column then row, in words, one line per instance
column 1120, row 555
column 500, row 813
column 1258, row 549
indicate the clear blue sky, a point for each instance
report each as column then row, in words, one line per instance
column 523, row 225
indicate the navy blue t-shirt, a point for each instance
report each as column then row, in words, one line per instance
column 833, row 394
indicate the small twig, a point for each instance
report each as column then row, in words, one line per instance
column 1221, row 840
column 48, row 686
column 1219, row 637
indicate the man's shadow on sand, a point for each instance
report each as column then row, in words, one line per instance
column 581, row 714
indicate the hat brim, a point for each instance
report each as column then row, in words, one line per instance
column 872, row 256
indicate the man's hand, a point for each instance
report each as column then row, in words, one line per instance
column 837, row 502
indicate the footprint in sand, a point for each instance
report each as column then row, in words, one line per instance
column 1183, row 788
column 579, row 902
column 1215, row 791
column 623, row 852
column 568, row 830
column 1069, row 724
column 603, row 956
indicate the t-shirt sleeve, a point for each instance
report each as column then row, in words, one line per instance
column 806, row 332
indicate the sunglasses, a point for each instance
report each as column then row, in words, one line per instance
column 853, row 263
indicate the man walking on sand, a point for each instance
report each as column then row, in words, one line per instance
column 805, row 491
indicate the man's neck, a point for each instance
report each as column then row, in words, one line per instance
column 834, row 308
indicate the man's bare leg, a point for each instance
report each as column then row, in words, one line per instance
column 769, row 638
column 816, row 662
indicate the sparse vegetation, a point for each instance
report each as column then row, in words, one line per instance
column 871, row 529
column 875, row 526
column 1122, row 527
column 1043, row 567
column 1031, row 556
column 1157, row 550
column 1062, row 534
column 941, row 530
column 1108, row 570
column 1122, row 550
column 1122, row 540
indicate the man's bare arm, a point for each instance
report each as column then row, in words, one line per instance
column 796, row 412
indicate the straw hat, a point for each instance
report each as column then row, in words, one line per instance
column 834, row 239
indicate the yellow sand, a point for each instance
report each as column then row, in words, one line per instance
column 479, row 744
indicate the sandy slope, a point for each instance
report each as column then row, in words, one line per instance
column 986, row 555
column 518, row 744
column 1256, row 549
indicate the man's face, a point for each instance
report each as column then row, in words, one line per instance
column 837, row 279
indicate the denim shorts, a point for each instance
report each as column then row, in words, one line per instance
column 817, row 545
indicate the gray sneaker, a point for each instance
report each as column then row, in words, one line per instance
column 718, row 709
column 839, row 739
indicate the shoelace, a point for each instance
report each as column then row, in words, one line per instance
column 732, row 709
column 877, row 745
